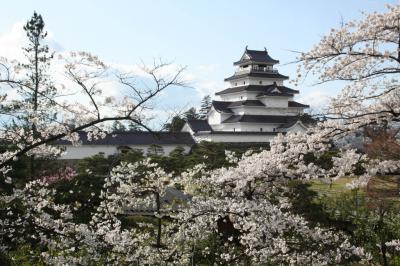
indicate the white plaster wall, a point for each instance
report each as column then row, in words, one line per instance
column 234, row 138
column 218, row 127
column 275, row 101
column 83, row 151
column 264, row 81
column 295, row 110
column 232, row 97
column 254, row 81
column 239, row 96
column 251, row 110
column 252, row 95
column 238, row 127
column 214, row 117
column 186, row 128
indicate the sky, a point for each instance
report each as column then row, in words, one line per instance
column 205, row 36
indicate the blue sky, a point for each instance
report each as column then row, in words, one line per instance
column 206, row 36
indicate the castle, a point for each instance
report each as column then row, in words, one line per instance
column 255, row 107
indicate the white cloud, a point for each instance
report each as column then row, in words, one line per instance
column 207, row 87
column 12, row 41
column 202, row 81
column 317, row 99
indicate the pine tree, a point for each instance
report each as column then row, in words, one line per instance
column 37, row 88
column 205, row 107
column 118, row 127
column 175, row 125
column 133, row 127
column 191, row 114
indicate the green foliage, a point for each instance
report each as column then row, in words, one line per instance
column 370, row 221
column 176, row 124
column 133, row 155
column 132, row 127
column 303, row 203
column 178, row 121
column 204, row 252
column 324, row 160
column 82, row 192
column 117, row 126
column 175, row 162
column 97, row 165
column 155, row 150
column 191, row 114
column 205, row 107
column 23, row 256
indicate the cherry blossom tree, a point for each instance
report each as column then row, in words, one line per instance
column 244, row 207
column 365, row 55
column 39, row 109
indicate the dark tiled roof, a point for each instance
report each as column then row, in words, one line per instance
column 258, row 88
column 274, row 94
column 257, row 56
column 199, row 125
column 274, row 119
column 288, row 124
column 137, row 138
column 221, row 106
column 243, row 133
column 246, row 103
column 296, row 104
column 258, row 74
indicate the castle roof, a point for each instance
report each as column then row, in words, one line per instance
column 221, row 106
column 246, row 103
column 297, row 104
column 271, row 75
column 258, row 88
column 256, row 56
column 136, row 138
column 199, row 125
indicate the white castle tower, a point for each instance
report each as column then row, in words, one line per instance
column 254, row 108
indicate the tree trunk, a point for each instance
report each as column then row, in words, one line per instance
column 158, row 243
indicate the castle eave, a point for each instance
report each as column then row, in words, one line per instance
column 258, row 88
column 270, row 75
column 264, row 119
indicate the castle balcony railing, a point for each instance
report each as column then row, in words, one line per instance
column 255, row 70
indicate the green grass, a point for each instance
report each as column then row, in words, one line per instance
column 382, row 187
column 338, row 186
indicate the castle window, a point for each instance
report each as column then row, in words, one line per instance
column 244, row 82
column 274, row 130
column 241, row 97
column 234, row 129
column 235, row 83
column 261, row 129
column 260, row 82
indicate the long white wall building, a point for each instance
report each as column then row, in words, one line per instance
column 156, row 143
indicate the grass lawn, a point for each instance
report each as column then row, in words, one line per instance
column 383, row 187
column 338, row 186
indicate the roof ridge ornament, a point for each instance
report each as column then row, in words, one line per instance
column 265, row 49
